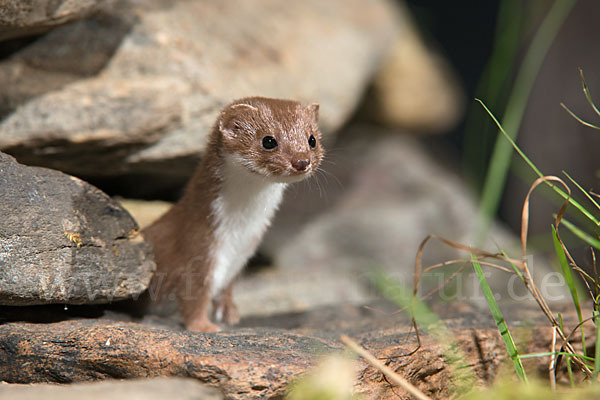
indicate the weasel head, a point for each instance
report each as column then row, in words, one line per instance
column 277, row 139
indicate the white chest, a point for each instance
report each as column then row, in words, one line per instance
column 243, row 210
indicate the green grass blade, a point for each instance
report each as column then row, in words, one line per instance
column 510, row 139
column 582, row 122
column 557, row 353
column 500, row 322
column 514, row 267
column 587, row 93
column 404, row 298
column 597, row 352
column 463, row 379
column 560, row 322
column 590, row 198
column 566, row 271
column 517, row 101
column 581, row 234
column 564, row 195
column 492, row 86
column 567, row 357
column 570, row 371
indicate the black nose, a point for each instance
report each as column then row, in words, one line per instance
column 300, row 165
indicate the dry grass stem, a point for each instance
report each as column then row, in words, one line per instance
column 391, row 375
column 519, row 266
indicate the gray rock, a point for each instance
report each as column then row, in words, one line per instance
column 136, row 89
column 415, row 90
column 141, row 389
column 64, row 241
column 29, row 17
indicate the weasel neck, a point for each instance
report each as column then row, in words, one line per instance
column 242, row 211
column 241, row 188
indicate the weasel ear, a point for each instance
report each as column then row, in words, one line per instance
column 232, row 120
column 314, row 108
column 242, row 106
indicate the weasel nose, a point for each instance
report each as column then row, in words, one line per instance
column 300, row 165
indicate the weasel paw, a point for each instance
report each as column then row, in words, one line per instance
column 202, row 325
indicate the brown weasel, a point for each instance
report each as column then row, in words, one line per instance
column 257, row 146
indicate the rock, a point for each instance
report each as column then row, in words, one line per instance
column 30, row 17
column 415, row 89
column 64, row 241
column 136, row 89
column 260, row 362
column 143, row 389
column 244, row 364
column 145, row 212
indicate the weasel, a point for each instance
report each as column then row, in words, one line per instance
column 256, row 148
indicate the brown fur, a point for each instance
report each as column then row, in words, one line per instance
column 182, row 238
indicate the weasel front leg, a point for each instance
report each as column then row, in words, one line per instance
column 193, row 295
column 195, row 314
column 224, row 309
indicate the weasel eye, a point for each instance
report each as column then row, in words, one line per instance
column 269, row 142
column 312, row 142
